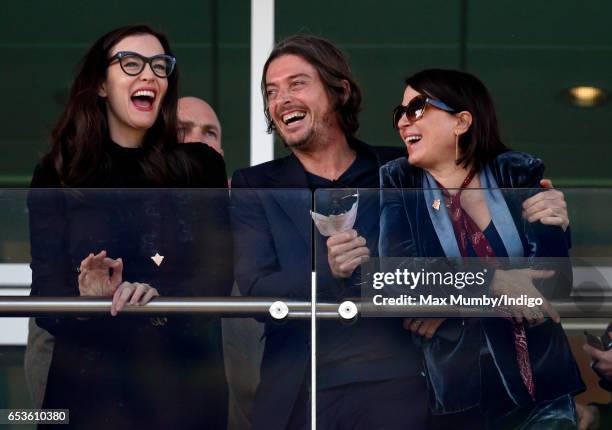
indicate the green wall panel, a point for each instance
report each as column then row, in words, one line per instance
column 41, row 42
column 385, row 41
column 526, row 52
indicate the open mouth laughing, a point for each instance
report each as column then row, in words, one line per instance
column 293, row 118
column 412, row 139
column 143, row 99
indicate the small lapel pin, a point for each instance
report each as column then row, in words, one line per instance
column 436, row 204
column 157, row 259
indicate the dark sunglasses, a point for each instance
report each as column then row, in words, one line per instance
column 416, row 108
column 132, row 63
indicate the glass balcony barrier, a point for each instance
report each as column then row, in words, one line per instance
column 451, row 293
column 203, row 352
column 239, row 276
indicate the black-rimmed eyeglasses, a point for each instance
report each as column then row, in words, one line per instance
column 132, row 63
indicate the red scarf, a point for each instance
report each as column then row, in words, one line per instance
column 467, row 230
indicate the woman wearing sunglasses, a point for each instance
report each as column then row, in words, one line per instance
column 96, row 236
column 515, row 371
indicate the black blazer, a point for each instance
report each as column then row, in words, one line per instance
column 407, row 230
column 273, row 244
column 131, row 371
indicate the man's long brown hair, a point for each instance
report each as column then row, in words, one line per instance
column 333, row 68
column 77, row 141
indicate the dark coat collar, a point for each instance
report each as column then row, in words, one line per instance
column 288, row 172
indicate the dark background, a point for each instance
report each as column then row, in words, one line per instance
column 526, row 52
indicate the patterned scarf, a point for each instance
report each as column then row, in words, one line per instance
column 467, row 230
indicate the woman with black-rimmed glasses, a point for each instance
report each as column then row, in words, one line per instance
column 514, row 371
column 117, row 134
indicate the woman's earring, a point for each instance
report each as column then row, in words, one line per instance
column 456, row 147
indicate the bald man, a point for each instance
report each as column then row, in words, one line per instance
column 198, row 122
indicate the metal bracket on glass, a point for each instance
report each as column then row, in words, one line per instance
column 348, row 310
column 279, row 310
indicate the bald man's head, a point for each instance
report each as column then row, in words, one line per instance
column 198, row 122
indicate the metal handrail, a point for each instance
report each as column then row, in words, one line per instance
column 20, row 306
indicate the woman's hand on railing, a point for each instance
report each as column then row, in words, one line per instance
column 132, row 294
column 99, row 275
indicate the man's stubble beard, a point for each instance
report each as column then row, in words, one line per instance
column 300, row 144
column 319, row 130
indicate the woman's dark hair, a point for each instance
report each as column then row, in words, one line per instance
column 465, row 92
column 333, row 68
column 77, row 141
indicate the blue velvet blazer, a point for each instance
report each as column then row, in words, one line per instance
column 410, row 228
